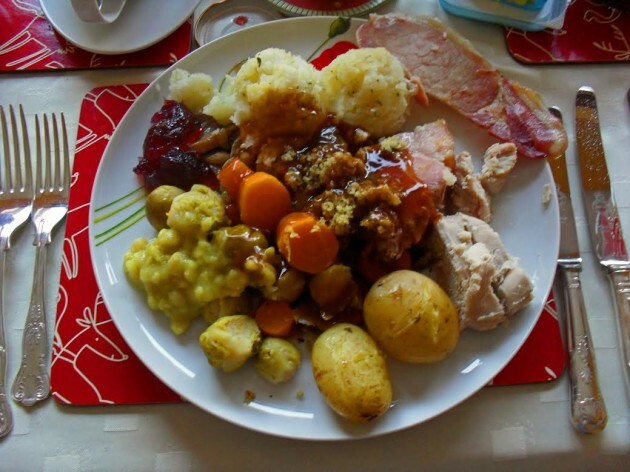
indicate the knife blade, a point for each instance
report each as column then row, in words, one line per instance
column 602, row 216
column 588, row 410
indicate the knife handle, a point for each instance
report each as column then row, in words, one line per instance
column 621, row 286
column 588, row 411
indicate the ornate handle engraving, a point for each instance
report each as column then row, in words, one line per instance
column 621, row 285
column 588, row 411
column 32, row 382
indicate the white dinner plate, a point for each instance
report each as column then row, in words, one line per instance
column 141, row 24
column 529, row 229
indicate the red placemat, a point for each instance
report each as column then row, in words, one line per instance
column 92, row 364
column 28, row 42
column 592, row 32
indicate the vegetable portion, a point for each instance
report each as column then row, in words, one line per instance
column 230, row 341
column 275, row 318
column 306, row 243
column 263, row 200
column 411, row 318
column 231, row 176
column 351, row 373
column 278, row 360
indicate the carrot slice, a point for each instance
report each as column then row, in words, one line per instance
column 275, row 318
column 306, row 243
column 263, row 200
column 231, row 175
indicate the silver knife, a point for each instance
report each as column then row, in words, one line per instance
column 588, row 410
column 601, row 213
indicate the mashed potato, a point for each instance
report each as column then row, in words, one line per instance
column 270, row 72
column 182, row 272
column 367, row 88
column 364, row 87
column 193, row 90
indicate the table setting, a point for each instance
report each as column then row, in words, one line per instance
column 95, row 380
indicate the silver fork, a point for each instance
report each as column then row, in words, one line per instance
column 16, row 199
column 52, row 182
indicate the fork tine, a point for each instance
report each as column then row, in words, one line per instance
column 56, row 184
column 11, row 174
column 66, row 157
column 46, row 163
column 28, row 173
column 38, row 157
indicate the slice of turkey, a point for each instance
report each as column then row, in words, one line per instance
column 484, row 281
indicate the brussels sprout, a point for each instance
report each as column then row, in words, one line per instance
column 159, row 203
column 230, row 341
column 278, row 360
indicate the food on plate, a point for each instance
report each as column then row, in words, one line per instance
column 498, row 161
column 278, row 360
column 411, row 318
column 272, row 74
column 368, row 88
column 306, row 243
column 159, row 203
column 263, row 200
column 365, row 87
column 297, row 205
column 172, row 145
column 288, row 287
column 432, row 149
column 351, row 373
column 275, row 318
column 485, row 282
column 181, row 271
column 472, row 190
column 451, row 71
column 335, row 289
column 193, row 90
column 230, row 341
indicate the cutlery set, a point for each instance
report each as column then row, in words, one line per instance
column 588, row 410
column 46, row 202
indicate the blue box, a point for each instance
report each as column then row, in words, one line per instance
column 524, row 4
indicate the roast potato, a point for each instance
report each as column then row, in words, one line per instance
column 411, row 318
column 351, row 373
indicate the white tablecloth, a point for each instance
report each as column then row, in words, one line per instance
column 516, row 428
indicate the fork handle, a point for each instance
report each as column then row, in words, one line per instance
column 32, row 383
column 6, row 417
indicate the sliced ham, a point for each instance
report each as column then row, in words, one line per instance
column 451, row 71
